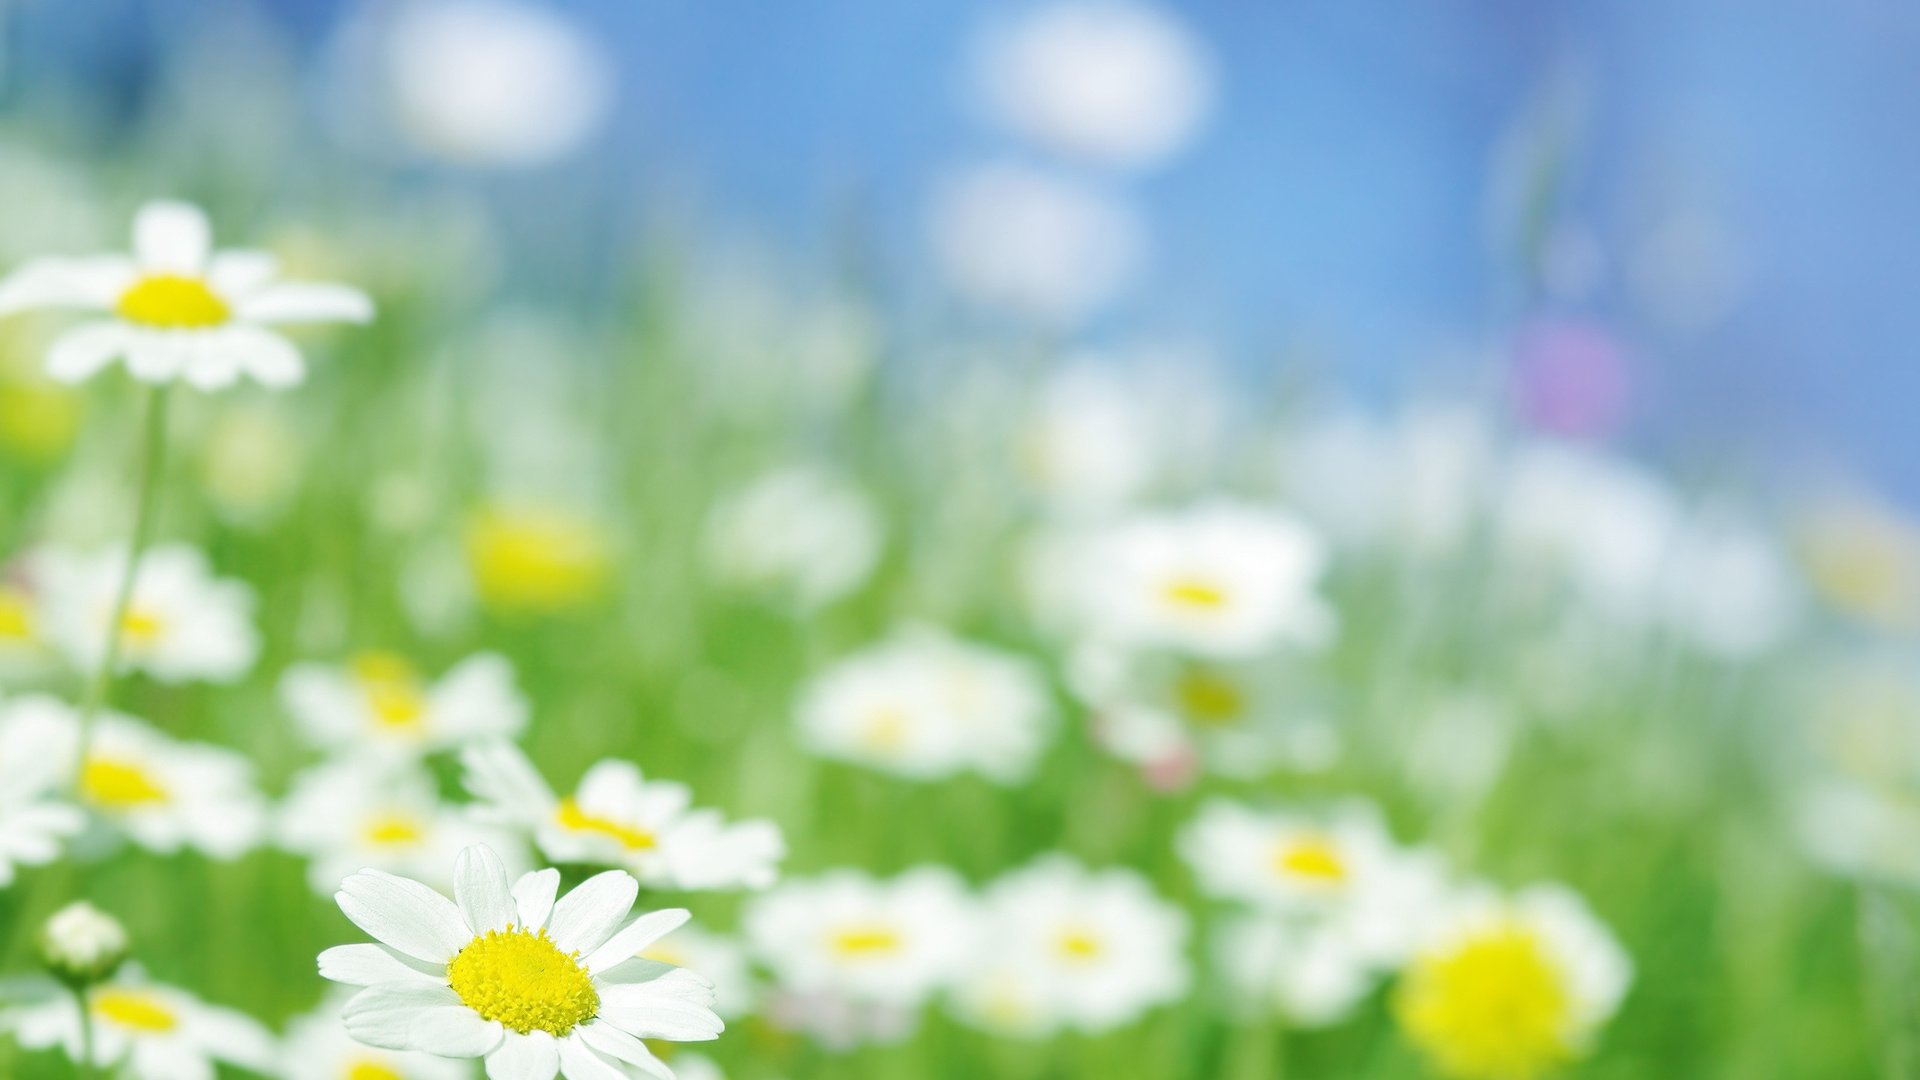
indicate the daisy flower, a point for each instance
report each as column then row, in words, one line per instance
column 1511, row 987
column 616, row 817
column 505, row 973
column 379, row 702
column 317, row 1047
column 1306, row 972
column 1061, row 946
column 927, row 705
column 182, row 623
column 142, row 1030
column 533, row 559
column 346, row 815
column 800, row 533
column 21, row 648
column 851, row 937
column 163, row 794
column 35, row 822
column 177, row 309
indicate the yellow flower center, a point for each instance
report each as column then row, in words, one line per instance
column 16, row 615
column 1313, row 857
column 524, row 981
column 1209, row 698
column 1195, row 593
column 1080, row 946
column 1495, row 1006
column 858, row 942
column 631, row 837
column 143, row 627
column 173, row 302
column 114, row 784
column 134, row 1011
column 392, row 688
column 885, row 731
column 393, row 830
column 371, row 1070
column 537, row 561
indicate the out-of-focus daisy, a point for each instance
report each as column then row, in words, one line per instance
column 1114, row 81
column 348, row 815
column 1863, row 557
column 178, row 309
column 317, row 1047
column 251, row 462
column 926, row 705
column 505, row 972
column 379, row 702
column 1509, row 988
column 616, row 817
column 1103, row 428
column 142, row 1030
column 182, row 623
column 35, row 822
column 1219, row 579
column 849, row 936
column 1306, row 972
column 800, row 533
column 164, row 795
column 1063, row 946
column 537, row 559
column 1413, row 483
column 21, row 648
column 720, row 960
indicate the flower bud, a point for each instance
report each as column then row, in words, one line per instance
column 83, row 945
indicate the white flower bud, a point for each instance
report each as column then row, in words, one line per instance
column 82, row 944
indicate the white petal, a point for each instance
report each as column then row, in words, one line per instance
column 366, row 964
column 533, row 895
column 620, row 1046
column 157, row 357
column 674, row 1006
column 579, row 1062
column 404, row 914
column 95, row 282
column 299, row 302
column 236, row 273
column 635, row 936
column 584, row 918
column 533, row 1056
column 480, row 888
column 263, row 354
column 172, row 236
column 632, row 972
column 86, row 349
column 428, row 1018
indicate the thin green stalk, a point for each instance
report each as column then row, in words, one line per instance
column 153, row 450
column 84, row 1068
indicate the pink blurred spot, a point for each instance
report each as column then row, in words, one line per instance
column 1571, row 378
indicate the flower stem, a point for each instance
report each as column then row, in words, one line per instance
column 84, row 1068
column 153, row 450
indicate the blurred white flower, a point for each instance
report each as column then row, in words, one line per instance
column 926, row 705
column 1860, row 830
column 1032, row 244
column 82, row 944
column 850, row 936
column 1101, row 429
column 351, row 814
column 35, row 821
column 720, row 960
column 181, row 624
column 317, row 1047
column 1062, row 946
column 379, row 704
column 1116, row 82
column 616, row 817
column 1306, row 972
column 22, row 650
column 1415, row 482
column 800, row 533
column 1511, row 986
column 180, row 310
column 142, row 1030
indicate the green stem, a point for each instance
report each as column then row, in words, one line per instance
column 84, row 1068
column 153, row 450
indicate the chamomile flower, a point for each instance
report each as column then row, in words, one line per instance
column 177, row 309
column 182, row 623
column 847, row 936
column 1061, row 946
column 800, row 533
column 142, row 1030
column 1306, row 972
column 379, row 702
column 505, row 972
column 317, row 1047
column 616, row 817
column 347, row 815
column 1511, row 987
column 35, row 822
column 530, row 559
column 927, row 705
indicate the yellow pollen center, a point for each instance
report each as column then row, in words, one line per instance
column 371, row 1070
column 1080, row 946
column 393, row 691
column 1495, row 1006
column 394, row 830
column 524, row 981
column 856, row 942
column 143, row 627
column 134, row 1011
column 1210, row 699
column 1313, row 857
column 113, row 784
column 538, row 560
column 631, row 837
column 16, row 615
column 173, row 302
column 1195, row 593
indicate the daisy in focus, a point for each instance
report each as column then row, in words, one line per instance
column 379, row 702
column 182, row 623
column 317, row 1047
column 846, row 937
column 1511, row 987
column 141, row 1029
column 35, row 822
column 616, row 817
column 347, row 815
column 926, row 705
column 505, row 972
column 176, row 309
column 1068, row 947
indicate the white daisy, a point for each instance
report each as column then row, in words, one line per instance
column 619, row 818
column 181, row 624
column 800, row 533
column 163, row 794
column 848, row 936
column 349, row 814
column 142, row 1030
column 178, row 309
column 926, row 705
column 1062, row 946
column 380, row 703
column 317, row 1047
column 1511, row 986
column 506, row 973
column 1306, row 972
column 35, row 821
